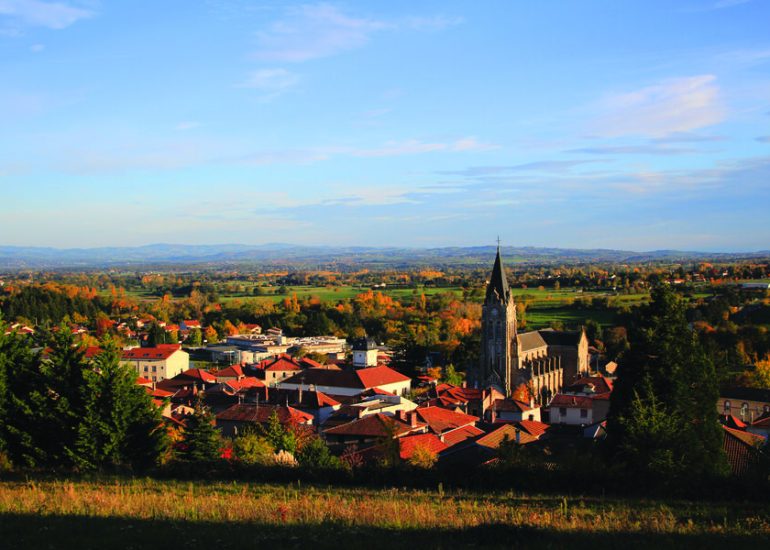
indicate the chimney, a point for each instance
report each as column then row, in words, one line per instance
column 402, row 415
column 494, row 415
column 518, row 436
column 413, row 419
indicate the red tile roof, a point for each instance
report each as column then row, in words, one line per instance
column 373, row 425
column 511, row 405
column 143, row 381
column 741, row 449
column 234, row 371
column 160, row 352
column 197, row 375
column 572, row 401
column 380, row 376
column 533, row 427
column 261, row 414
column 461, row 434
column 245, row 383
column 441, row 420
column 762, row 422
column 407, row 445
column 497, row 436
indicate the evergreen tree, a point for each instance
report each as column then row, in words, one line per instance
column 315, row 454
column 62, row 399
column 280, row 438
column 20, row 400
column 121, row 425
column 666, row 378
column 201, row 440
column 156, row 335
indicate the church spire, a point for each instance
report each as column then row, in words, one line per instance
column 497, row 289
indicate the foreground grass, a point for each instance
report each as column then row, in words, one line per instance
column 120, row 513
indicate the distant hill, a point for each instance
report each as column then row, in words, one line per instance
column 275, row 254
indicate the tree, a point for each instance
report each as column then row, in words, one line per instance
column 665, row 373
column 156, row 335
column 451, row 376
column 195, row 338
column 251, row 448
column 201, row 440
column 422, row 458
column 315, row 454
column 759, row 376
column 279, row 437
column 121, row 426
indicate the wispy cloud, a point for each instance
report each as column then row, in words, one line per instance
column 632, row 150
column 313, row 31
column 763, row 139
column 550, row 166
column 36, row 13
column 414, row 146
column 672, row 106
column 187, row 125
column 271, row 82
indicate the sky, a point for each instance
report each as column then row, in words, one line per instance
column 635, row 125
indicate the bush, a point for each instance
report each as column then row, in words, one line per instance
column 251, row 449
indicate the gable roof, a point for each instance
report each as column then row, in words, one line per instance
column 530, row 340
column 601, row 384
column 233, row 371
column 373, row 425
column 498, row 435
column 459, row 435
column 510, row 405
column 572, row 401
column 197, row 375
column 441, row 420
column 762, row 422
column 159, row 352
column 244, row 412
column 373, row 377
column 360, row 379
column 741, row 449
column 561, row 337
column 533, row 427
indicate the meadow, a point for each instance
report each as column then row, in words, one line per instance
column 139, row 513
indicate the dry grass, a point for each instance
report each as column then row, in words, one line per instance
column 356, row 507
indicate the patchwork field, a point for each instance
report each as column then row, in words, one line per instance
column 143, row 513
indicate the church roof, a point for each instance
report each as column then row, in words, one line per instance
column 530, row 340
column 497, row 289
column 561, row 337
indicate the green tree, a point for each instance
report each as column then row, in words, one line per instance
column 279, row 437
column 251, row 448
column 315, row 454
column 451, row 376
column 201, row 440
column 195, row 339
column 665, row 377
column 121, row 425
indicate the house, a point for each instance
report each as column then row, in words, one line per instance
column 233, row 372
column 159, row 363
column 512, row 410
column 742, row 449
column 473, row 401
column 278, row 368
column 371, row 430
column 188, row 325
column 747, row 404
column 349, row 382
column 242, row 416
column 584, row 402
column 442, row 421
column 197, row 379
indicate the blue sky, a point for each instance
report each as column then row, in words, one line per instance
column 636, row 125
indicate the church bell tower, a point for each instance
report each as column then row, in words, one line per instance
column 498, row 332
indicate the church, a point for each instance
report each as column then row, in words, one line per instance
column 544, row 360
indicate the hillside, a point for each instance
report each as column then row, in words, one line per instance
column 121, row 513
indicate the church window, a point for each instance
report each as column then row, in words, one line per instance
column 727, row 407
column 744, row 411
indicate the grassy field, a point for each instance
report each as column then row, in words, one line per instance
column 120, row 513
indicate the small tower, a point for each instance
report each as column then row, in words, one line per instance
column 365, row 353
column 498, row 331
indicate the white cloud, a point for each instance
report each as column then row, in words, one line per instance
column 272, row 82
column 413, row 146
column 36, row 48
column 671, row 106
column 36, row 13
column 187, row 125
column 314, row 31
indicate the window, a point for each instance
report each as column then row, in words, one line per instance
column 562, row 411
column 766, row 409
column 583, row 413
column 744, row 411
column 727, row 407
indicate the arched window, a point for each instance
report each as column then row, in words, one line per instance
column 727, row 407
column 744, row 411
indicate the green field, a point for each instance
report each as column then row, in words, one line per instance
column 144, row 513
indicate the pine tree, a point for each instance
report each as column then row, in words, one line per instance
column 121, row 425
column 20, row 400
column 201, row 440
column 665, row 378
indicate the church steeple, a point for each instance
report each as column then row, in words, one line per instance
column 497, row 289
